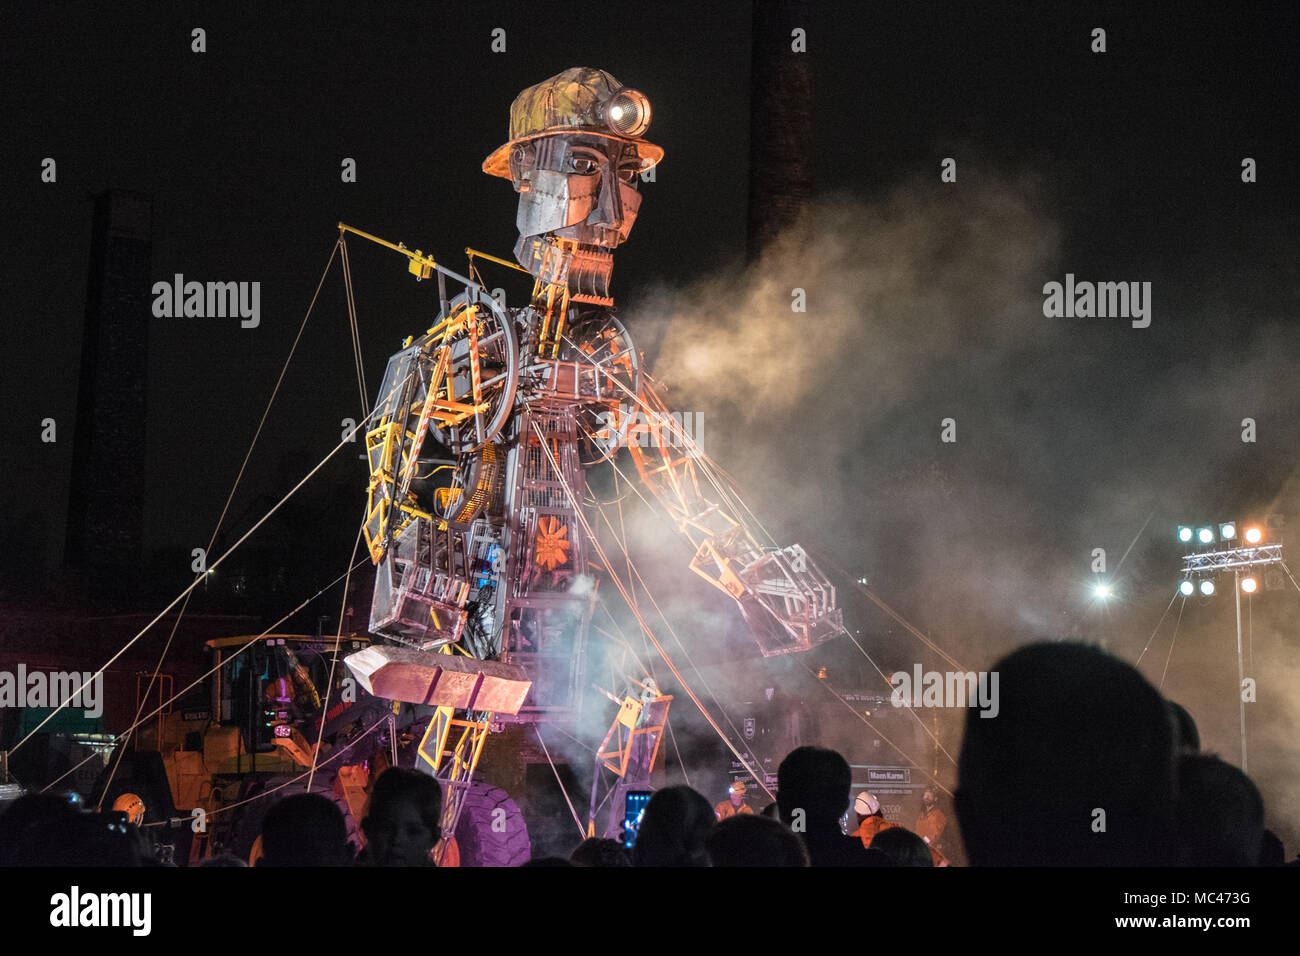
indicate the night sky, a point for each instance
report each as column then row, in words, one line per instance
column 1127, row 164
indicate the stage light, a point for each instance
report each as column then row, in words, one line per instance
column 1184, row 533
column 1248, row 547
column 1101, row 590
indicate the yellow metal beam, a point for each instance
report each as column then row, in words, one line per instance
column 422, row 266
column 501, row 262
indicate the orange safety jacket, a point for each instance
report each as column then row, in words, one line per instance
column 874, row 824
column 929, row 826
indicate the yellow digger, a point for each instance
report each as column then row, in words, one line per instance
column 207, row 769
column 200, row 767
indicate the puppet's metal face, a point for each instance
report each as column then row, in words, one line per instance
column 576, row 187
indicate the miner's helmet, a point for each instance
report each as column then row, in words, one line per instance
column 131, row 805
column 579, row 100
column 737, row 787
column 866, row 804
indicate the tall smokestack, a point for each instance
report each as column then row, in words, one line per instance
column 780, row 125
column 106, row 506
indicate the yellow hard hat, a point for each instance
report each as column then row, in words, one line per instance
column 737, row 787
column 131, row 805
column 579, row 100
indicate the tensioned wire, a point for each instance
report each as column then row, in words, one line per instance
column 144, row 698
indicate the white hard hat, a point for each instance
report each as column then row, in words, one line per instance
column 866, row 804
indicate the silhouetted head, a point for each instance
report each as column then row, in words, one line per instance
column 305, row 829
column 1271, row 851
column 816, row 781
column 596, row 851
column 402, row 819
column 751, row 840
column 1220, row 814
column 903, row 846
column 673, row 831
column 1186, row 736
column 47, row 829
column 1076, row 769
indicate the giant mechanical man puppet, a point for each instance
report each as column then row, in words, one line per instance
column 479, row 443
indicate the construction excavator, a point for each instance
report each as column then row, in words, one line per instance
column 278, row 715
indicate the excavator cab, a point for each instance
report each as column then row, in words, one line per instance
column 253, row 728
column 272, row 689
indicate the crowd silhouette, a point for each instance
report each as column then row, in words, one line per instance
column 1085, row 764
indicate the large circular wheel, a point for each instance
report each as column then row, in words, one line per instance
column 491, row 830
column 248, row 829
column 477, row 340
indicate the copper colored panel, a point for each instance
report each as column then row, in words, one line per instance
column 443, row 680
